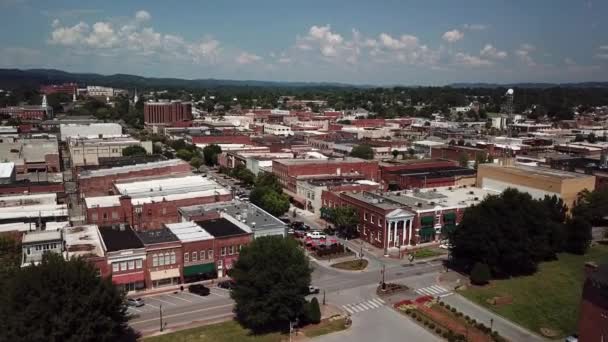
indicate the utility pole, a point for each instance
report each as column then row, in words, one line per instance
column 323, row 297
column 383, row 271
column 160, row 308
column 491, row 327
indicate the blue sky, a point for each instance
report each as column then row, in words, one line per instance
column 428, row 42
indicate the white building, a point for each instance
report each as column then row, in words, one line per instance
column 92, row 130
column 34, row 244
column 100, row 91
column 278, row 130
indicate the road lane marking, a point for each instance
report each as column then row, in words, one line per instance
column 176, row 297
column 378, row 301
column 347, row 309
column 163, row 301
column 374, row 305
column 193, row 295
column 183, row 313
column 154, row 306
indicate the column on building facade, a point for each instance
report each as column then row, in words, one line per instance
column 409, row 230
column 395, row 241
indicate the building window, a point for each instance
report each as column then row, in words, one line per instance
column 164, row 211
column 379, row 222
column 115, row 267
column 194, row 256
column 220, row 263
column 138, row 264
column 123, row 266
column 186, row 257
column 240, row 247
column 210, row 254
column 138, row 210
column 114, row 215
column 167, row 259
column 154, row 260
column 223, row 251
column 364, row 216
column 131, row 265
column 105, row 216
column 172, row 258
column 93, row 216
column 202, row 254
column 371, row 219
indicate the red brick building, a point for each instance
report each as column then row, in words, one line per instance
column 455, row 152
column 229, row 237
column 198, row 250
column 65, row 88
column 425, row 173
column 37, row 113
column 22, row 187
column 101, row 182
column 125, row 257
column 225, row 138
column 164, row 258
column 148, row 205
column 593, row 316
column 167, row 113
column 288, row 171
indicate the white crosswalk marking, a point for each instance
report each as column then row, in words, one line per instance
column 433, row 290
column 370, row 304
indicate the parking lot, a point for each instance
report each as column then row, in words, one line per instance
column 176, row 300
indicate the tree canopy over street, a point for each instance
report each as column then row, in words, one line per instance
column 362, row 151
column 272, row 276
column 61, row 300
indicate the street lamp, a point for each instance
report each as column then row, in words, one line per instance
column 160, row 308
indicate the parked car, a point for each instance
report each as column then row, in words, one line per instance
column 227, row 284
column 135, row 302
column 199, row 289
column 572, row 338
column 313, row 289
column 316, row 235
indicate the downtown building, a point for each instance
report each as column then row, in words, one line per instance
column 167, row 113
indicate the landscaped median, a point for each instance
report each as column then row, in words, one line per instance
column 351, row 265
column 445, row 321
column 232, row 331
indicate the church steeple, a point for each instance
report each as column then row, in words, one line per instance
column 44, row 103
column 135, row 98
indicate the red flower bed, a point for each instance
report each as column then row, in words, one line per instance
column 403, row 302
column 424, row 299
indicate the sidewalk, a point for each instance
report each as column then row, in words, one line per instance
column 173, row 288
column 505, row 327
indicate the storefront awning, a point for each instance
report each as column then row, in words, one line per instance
column 198, row 269
column 128, row 278
column 426, row 220
column 449, row 216
column 164, row 274
column 426, row 231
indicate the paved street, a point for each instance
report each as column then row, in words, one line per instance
column 181, row 308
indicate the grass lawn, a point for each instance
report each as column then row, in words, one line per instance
column 351, row 265
column 427, row 253
column 324, row 328
column 232, row 332
column 222, row 332
column 548, row 299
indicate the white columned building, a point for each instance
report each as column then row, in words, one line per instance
column 399, row 228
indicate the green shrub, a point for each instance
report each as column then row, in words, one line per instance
column 445, row 334
column 426, row 323
column 441, row 303
column 453, row 310
column 432, row 325
column 419, row 318
column 459, row 314
column 414, row 315
column 467, row 318
column 480, row 274
column 408, row 311
column 438, row 330
column 447, row 306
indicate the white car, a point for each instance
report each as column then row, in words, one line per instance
column 316, row 235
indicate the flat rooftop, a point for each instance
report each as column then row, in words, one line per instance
column 129, row 168
column 83, row 241
column 322, row 161
column 41, row 236
column 221, row 227
column 28, row 150
column 162, row 235
column 536, row 171
column 188, row 231
column 118, row 238
column 245, row 212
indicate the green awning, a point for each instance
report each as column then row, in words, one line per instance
column 427, row 220
column 426, row 231
column 198, row 269
column 449, row 217
column 448, row 228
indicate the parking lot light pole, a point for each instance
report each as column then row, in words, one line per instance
column 160, row 308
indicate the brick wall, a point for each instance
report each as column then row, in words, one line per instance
column 222, row 139
column 288, row 173
column 31, row 188
column 163, row 248
column 101, row 186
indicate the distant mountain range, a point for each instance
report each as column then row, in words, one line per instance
column 36, row 77
column 10, row 78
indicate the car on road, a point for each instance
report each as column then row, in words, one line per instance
column 313, row 289
column 199, row 289
column 572, row 338
column 316, row 235
column 227, row 284
column 135, row 302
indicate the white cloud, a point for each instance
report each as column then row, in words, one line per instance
column 132, row 36
column 528, row 47
column 142, row 16
column 524, row 54
column 404, row 42
column 453, row 36
column 569, row 61
column 475, row 27
column 247, row 58
column 601, row 56
column 603, row 47
column 490, row 51
column 466, row 59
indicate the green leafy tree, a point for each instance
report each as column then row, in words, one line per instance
column 480, row 274
column 315, row 311
column 196, row 162
column 510, row 233
column 184, row 154
column 272, row 276
column 67, row 300
column 362, row 151
column 10, row 256
column 579, row 137
column 134, row 150
column 578, row 235
column 345, row 220
column 275, row 203
column 210, row 153
column 591, row 138
column 395, row 154
column 269, row 180
column 244, row 174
